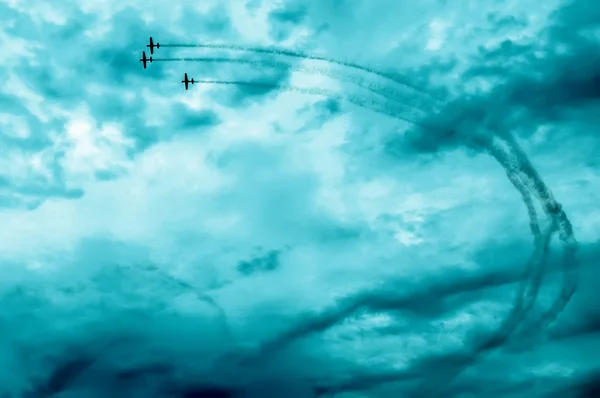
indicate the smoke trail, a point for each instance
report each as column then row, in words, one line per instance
column 519, row 168
column 526, row 180
column 445, row 374
column 521, row 164
column 517, row 164
column 535, row 269
column 297, row 54
column 353, row 99
column 375, row 88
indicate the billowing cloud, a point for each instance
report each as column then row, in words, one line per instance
column 417, row 218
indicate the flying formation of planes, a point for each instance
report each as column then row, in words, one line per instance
column 144, row 60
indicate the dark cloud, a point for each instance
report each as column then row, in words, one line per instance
column 63, row 376
column 502, row 22
column 321, row 111
column 532, row 89
column 266, row 263
column 173, row 351
column 244, row 95
column 207, row 392
column 30, row 195
column 194, row 119
column 285, row 19
column 96, row 366
column 579, row 386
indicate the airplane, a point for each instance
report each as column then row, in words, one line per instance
column 152, row 45
column 144, row 59
column 186, row 81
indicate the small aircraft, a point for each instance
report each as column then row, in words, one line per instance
column 152, row 45
column 186, row 81
column 144, row 59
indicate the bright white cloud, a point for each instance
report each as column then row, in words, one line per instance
column 322, row 234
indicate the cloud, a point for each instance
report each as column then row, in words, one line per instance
column 255, row 241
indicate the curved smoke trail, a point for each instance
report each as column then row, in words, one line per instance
column 297, row 54
column 527, row 291
column 374, row 88
column 533, row 181
column 521, row 164
column 353, row 99
column 503, row 147
column 519, row 168
column 526, row 180
column 521, row 174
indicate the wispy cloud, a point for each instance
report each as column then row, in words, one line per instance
column 269, row 241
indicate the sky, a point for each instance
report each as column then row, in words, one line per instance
column 332, row 232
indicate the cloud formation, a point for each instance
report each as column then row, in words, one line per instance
column 376, row 239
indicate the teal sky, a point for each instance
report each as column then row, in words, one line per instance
column 275, row 243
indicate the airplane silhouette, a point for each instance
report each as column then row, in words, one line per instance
column 152, row 45
column 186, row 81
column 144, row 59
